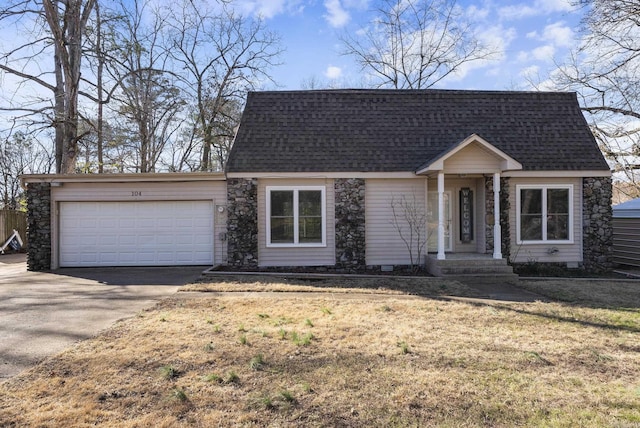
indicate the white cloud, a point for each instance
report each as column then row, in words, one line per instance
column 336, row 15
column 559, row 34
column 544, row 53
column 539, row 7
column 516, row 12
column 333, row 72
column 269, row 8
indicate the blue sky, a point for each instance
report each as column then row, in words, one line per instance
column 530, row 38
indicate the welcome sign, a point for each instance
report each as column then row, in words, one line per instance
column 466, row 215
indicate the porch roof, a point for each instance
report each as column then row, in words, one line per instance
column 495, row 160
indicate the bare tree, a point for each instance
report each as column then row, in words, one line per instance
column 222, row 55
column 604, row 72
column 19, row 154
column 414, row 44
column 59, row 27
column 410, row 221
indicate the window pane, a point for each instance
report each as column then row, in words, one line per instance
column 281, row 230
column 531, row 214
column 531, row 227
column 310, row 203
column 557, row 226
column 531, row 201
column 310, row 216
column 558, row 201
column 282, row 203
column 282, row 217
column 310, row 229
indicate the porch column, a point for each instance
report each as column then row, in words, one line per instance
column 497, row 231
column 441, row 255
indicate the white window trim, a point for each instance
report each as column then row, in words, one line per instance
column 544, row 188
column 295, row 190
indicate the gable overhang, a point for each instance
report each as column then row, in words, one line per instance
column 503, row 162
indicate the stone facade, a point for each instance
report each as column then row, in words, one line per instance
column 38, row 226
column 242, row 222
column 597, row 226
column 350, row 223
column 505, row 206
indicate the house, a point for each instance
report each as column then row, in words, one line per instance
column 626, row 233
column 328, row 179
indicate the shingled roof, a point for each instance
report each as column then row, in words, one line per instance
column 402, row 130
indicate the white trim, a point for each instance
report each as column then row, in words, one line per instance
column 497, row 230
column 544, row 188
column 556, row 174
column 322, row 174
column 295, row 190
column 506, row 162
column 59, row 179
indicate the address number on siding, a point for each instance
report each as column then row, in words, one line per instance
column 136, row 193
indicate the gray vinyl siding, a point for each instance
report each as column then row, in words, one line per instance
column 296, row 256
column 384, row 245
column 626, row 236
column 215, row 191
column 524, row 253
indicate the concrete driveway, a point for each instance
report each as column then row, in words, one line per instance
column 41, row 314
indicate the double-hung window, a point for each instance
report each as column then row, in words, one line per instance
column 296, row 216
column 544, row 214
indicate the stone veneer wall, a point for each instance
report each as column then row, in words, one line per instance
column 505, row 206
column 350, row 223
column 597, row 226
column 242, row 222
column 38, row 226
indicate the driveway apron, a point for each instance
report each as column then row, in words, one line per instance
column 41, row 314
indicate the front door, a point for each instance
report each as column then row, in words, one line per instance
column 432, row 220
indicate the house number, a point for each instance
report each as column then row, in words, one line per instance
column 136, row 193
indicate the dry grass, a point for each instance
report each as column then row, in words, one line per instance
column 278, row 359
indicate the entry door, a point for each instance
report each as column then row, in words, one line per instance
column 432, row 220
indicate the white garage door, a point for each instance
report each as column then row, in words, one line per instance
column 136, row 233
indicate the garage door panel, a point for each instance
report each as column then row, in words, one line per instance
column 136, row 233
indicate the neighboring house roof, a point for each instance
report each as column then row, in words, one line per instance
column 629, row 209
column 404, row 130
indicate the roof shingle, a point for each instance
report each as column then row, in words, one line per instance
column 401, row 130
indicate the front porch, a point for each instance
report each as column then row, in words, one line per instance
column 474, row 266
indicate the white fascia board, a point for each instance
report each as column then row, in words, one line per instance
column 122, row 178
column 560, row 174
column 348, row 174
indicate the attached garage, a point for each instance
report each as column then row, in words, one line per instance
column 153, row 233
column 172, row 219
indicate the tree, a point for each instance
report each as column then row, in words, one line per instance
column 222, row 56
column 605, row 71
column 59, row 29
column 414, row 44
column 410, row 221
column 148, row 99
column 19, row 154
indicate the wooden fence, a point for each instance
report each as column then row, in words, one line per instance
column 9, row 220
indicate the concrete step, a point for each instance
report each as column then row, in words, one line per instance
column 485, row 279
column 467, row 270
column 471, row 267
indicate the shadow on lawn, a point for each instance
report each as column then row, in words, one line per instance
column 575, row 296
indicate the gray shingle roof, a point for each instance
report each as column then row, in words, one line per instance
column 401, row 130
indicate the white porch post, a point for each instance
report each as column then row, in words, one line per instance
column 497, row 231
column 441, row 255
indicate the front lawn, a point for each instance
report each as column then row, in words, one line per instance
column 371, row 358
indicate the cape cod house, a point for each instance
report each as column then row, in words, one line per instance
column 356, row 179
